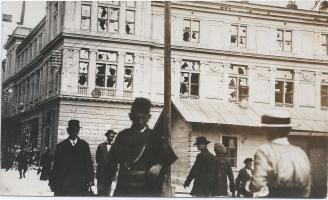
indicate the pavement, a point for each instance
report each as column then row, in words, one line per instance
column 32, row 186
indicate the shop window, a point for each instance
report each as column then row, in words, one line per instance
column 284, row 87
column 238, row 83
column 86, row 17
column 189, row 78
column 129, row 24
column 190, row 30
column 128, row 71
column 324, row 91
column 238, row 36
column 284, row 40
column 231, row 145
column 324, row 43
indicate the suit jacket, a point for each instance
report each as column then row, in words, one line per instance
column 102, row 159
column 136, row 152
column 282, row 168
column 72, row 169
column 241, row 180
column 222, row 173
column 203, row 173
column 22, row 160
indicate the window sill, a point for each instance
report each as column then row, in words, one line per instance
column 284, row 105
column 188, row 96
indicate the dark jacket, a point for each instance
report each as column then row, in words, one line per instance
column 241, row 180
column 22, row 160
column 72, row 169
column 223, row 171
column 136, row 152
column 203, row 173
column 46, row 160
column 102, row 159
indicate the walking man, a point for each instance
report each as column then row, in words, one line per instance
column 46, row 160
column 143, row 156
column 72, row 171
column 102, row 158
column 244, row 175
column 281, row 170
column 203, row 170
column 223, row 172
column 22, row 162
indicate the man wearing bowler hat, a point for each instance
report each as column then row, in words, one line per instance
column 72, row 171
column 281, row 170
column 244, row 175
column 142, row 154
column 102, row 159
column 203, row 170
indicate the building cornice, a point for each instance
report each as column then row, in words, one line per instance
column 252, row 11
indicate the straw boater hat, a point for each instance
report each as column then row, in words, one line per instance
column 276, row 119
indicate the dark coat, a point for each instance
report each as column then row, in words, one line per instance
column 46, row 160
column 22, row 160
column 72, row 169
column 223, row 171
column 241, row 180
column 203, row 173
column 136, row 153
column 102, row 159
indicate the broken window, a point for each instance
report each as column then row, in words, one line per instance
column 324, row 90
column 284, row 87
column 128, row 71
column 284, row 40
column 231, row 145
column 107, row 56
column 106, row 73
column 238, row 82
column 113, row 19
column 100, row 75
column 129, row 25
column 84, row 53
column 85, row 17
column 189, row 78
column 102, row 18
column 238, row 36
column 111, row 76
column 190, row 30
column 83, row 73
column 324, row 43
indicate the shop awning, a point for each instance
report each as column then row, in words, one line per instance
column 218, row 112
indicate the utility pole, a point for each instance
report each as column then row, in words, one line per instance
column 167, row 85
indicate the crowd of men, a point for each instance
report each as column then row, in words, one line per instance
column 138, row 159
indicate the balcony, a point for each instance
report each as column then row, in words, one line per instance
column 127, row 94
column 107, row 92
column 83, row 90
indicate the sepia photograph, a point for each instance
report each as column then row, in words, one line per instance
column 164, row 99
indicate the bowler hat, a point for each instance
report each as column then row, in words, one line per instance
column 74, row 123
column 247, row 160
column 276, row 119
column 110, row 132
column 141, row 105
column 201, row 140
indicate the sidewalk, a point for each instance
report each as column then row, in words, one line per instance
column 30, row 186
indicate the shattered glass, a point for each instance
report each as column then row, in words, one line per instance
column 129, row 58
column 288, row 46
column 113, row 26
column 111, row 82
column 111, row 70
column 84, row 53
column 83, row 79
column 85, row 24
column 102, row 12
column 128, row 77
column 102, row 25
column 233, row 40
column 83, row 69
column 114, row 13
column 86, row 10
column 242, row 31
column 279, row 35
column 195, row 37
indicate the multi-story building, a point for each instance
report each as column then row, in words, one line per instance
column 230, row 61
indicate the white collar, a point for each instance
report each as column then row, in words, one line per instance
column 75, row 141
column 143, row 130
column 282, row 140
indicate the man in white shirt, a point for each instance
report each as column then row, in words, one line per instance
column 102, row 159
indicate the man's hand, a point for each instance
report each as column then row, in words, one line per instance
column 155, row 170
column 185, row 185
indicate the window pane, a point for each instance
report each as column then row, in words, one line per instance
column 183, row 89
column 102, row 12
column 129, row 58
column 234, row 40
column 128, row 72
column 111, row 70
column 83, row 79
column 232, row 93
column 84, row 53
column 288, row 36
column 112, row 56
column 85, row 24
column 184, row 78
column 284, row 74
column 288, row 46
column 102, row 25
column 100, row 69
column 83, row 69
column 111, row 82
column 234, row 30
column 186, row 24
column 130, row 4
column 100, row 80
column 194, row 78
column 242, row 31
column 242, row 82
column 279, row 35
column 194, row 90
column 195, row 26
column 232, row 82
column 279, row 91
column 242, row 42
column 113, row 26
column 129, row 28
column 130, row 16
column 85, row 10
column 128, row 84
column 280, row 45
column 289, row 87
column 114, row 13
column 195, row 37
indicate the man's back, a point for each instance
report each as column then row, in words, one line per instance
column 284, row 168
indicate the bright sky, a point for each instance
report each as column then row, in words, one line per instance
column 35, row 11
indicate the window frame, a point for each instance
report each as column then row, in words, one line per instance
column 324, row 83
column 325, row 35
column 107, row 63
column 284, row 92
column 191, row 31
column 190, row 84
column 129, row 65
column 109, row 7
column 237, row 77
column 239, row 35
column 87, row 62
column 227, row 154
column 129, row 22
column 284, row 41
column 85, row 17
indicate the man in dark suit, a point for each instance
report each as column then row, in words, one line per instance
column 203, row 170
column 72, row 171
column 22, row 162
column 143, row 156
column 102, row 159
column 244, row 175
